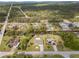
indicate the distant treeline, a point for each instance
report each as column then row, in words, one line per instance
column 64, row 9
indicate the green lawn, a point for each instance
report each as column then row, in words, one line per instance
column 40, row 5
column 74, row 56
column 4, row 46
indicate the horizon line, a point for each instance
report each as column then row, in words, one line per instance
column 33, row 0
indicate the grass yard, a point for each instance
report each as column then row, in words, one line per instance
column 74, row 56
column 48, row 56
column 4, row 46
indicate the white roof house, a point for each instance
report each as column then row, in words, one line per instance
column 65, row 26
column 38, row 41
column 49, row 27
column 75, row 24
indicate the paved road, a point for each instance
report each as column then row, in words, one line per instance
column 65, row 54
column 4, row 26
column 3, row 53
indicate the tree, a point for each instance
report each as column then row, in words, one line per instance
column 70, row 40
column 24, row 42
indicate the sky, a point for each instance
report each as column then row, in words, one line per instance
column 39, row 0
